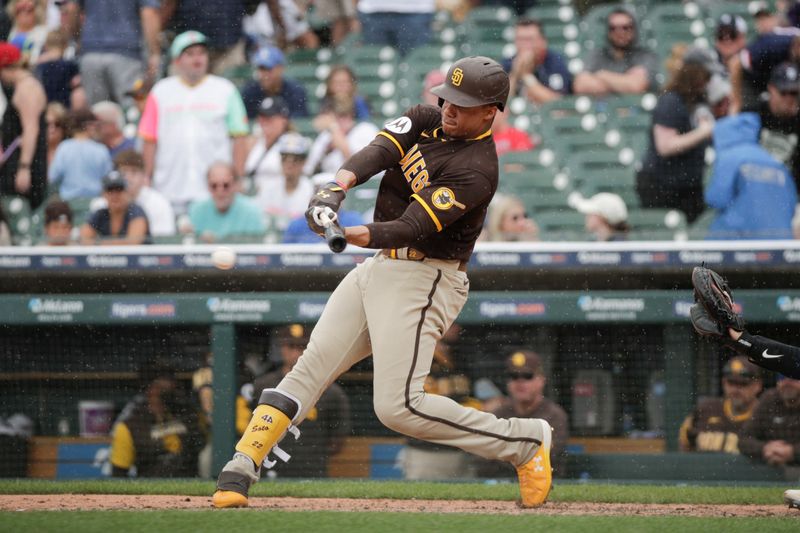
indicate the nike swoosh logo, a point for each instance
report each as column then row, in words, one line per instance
column 767, row 355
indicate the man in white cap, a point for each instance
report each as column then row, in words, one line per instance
column 606, row 216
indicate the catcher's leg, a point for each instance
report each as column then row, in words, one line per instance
column 338, row 341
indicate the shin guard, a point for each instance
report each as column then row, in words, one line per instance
column 270, row 422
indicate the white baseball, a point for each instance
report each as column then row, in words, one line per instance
column 223, row 258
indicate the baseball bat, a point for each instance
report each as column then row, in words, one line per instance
column 334, row 235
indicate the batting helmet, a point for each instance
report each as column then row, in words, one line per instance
column 474, row 81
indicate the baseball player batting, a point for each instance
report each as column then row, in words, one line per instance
column 441, row 173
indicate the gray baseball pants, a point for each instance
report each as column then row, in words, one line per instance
column 397, row 310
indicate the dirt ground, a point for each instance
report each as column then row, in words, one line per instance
column 62, row 502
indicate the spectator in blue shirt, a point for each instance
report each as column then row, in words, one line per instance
column 754, row 193
column 228, row 212
column 298, row 232
column 270, row 81
column 80, row 163
column 536, row 72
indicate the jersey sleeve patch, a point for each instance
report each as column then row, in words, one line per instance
column 444, row 198
column 399, row 125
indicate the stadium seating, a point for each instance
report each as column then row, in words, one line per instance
column 18, row 212
column 584, row 144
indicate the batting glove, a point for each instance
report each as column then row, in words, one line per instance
column 329, row 195
column 320, row 217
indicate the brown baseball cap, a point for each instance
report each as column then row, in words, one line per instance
column 474, row 81
column 294, row 335
column 739, row 370
column 522, row 362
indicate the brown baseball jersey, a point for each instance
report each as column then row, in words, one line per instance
column 713, row 427
column 772, row 420
column 435, row 191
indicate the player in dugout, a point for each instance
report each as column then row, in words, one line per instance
column 441, row 173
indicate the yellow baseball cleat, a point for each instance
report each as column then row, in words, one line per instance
column 536, row 476
column 224, row 499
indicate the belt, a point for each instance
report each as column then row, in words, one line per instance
column 412, row 254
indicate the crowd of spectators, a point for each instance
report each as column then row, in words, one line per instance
column 84, row 82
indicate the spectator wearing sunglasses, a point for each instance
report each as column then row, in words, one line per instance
column 508, row 220
column 227, row 213
column 525, row 382
column 621, row 66
column 121, row 221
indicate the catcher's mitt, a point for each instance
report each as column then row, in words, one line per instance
column 714, row 312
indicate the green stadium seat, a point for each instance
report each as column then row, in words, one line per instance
column 172, row 239
column 489, row 22
column 579, row 142
column 362, row 198
column 498, row 51
column 625, row 105
column 18, row 213
column 308, row 74
column 635, row 124
column 561, row 225
column 305, row 126
column 374, row 71
column 309, row 55
column 567, row 106
column 428, row 57
column 576, row 125
column 531, row 181
column 560, row 25
column 239, row 74
column 81, row 209
column 370, row 54
column 554, row 15
column 656, row 218
column 541, row 159
column 560, row 219
column 543, row 200
column 698, row 230
column 599, row 167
